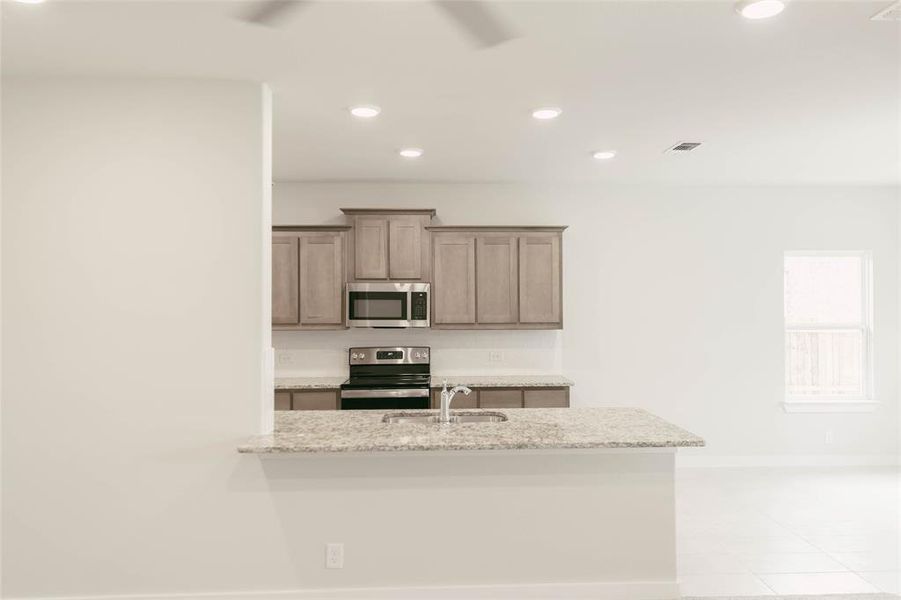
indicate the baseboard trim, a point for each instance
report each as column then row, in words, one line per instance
column 661, row 590
column 701, row 461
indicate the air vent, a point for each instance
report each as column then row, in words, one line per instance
column 682, row 147
column 892, row 13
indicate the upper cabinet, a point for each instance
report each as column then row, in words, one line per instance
column 497, row 277
column 308, row 277
column 389, row 244
column 454, row 283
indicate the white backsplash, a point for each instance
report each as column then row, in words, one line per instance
column 323, row 353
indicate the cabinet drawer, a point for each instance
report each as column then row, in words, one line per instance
column 500, row 398
column 460, row 401
column 325, row 400
column 546, row 398
column 282, row 400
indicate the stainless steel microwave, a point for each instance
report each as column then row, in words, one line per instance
column 388, row 305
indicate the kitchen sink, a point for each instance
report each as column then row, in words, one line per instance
column 431, row 418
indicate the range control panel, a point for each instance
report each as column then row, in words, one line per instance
column 389, row 356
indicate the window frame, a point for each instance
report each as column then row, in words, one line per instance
column 830, row 402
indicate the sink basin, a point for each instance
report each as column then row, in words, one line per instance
column 432, row 418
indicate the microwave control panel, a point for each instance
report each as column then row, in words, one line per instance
column 419, row 306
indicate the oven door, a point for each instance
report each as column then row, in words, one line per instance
column 376, row 399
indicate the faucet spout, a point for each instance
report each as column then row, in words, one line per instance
column 447, row 396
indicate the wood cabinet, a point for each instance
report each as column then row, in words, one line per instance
column 497, row 287
column 282, row 400
column 308, row 277
column 500, row 398
column 285, row 276
column 497, row 277
column 546, row 398
column 539, row 279
column 314, row 400
column 460, row 401
column 454, row 283
column 370, row 247
column 389, row 244
column 306, row 399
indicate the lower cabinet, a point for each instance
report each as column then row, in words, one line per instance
column 546, row 398
column 557, row 397
column 460, row 401
column 500, row 398
column 496, row 398
column 307, row 400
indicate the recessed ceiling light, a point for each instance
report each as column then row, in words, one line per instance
column 411, row 152
column 30, row 1
column 604, row 154
column 759, row 9
column 366, row 111
column 547, row 112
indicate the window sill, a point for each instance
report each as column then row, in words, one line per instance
column 830, row 406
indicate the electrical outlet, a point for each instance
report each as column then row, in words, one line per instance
column 285, row 359
column 829, row 437
column 495, row 357
column 334, row 556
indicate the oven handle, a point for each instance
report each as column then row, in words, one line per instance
column 411, row 393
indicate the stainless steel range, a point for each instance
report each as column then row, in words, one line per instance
column 387, row 378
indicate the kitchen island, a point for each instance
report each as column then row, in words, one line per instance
column 552, row 503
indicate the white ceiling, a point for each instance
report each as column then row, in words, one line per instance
column 811, row 96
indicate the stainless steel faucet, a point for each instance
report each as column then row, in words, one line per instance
column 447, row 397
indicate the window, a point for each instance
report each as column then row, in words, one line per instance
column 828, row 330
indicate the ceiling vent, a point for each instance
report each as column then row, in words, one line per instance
column 682, row 148
column 892, row 13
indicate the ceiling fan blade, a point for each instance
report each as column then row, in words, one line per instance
column 271, row 12
column 477, row 20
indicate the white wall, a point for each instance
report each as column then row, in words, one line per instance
column 672, row 299
column 132, row 341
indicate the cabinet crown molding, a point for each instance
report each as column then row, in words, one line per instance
column 389, row 211
column 311, row 228
column 545, row 228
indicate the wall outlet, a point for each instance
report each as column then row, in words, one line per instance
column 334, row 556
column 829, row 437
column 285, row 359
column 495, row 357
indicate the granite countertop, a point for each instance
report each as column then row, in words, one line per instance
column 312, row 432
column 477, row 381
column 309, row 383
column 488, row 381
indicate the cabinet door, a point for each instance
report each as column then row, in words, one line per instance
column 315, row 400
column 497, row 288
column 539, row 279
column 282, row 400
column 285, row 306
column 371, row 248
column 546, row 398
column 454, row 279
column 405, row 247
column 460, row 401
column 321, row 278
column 500, row 398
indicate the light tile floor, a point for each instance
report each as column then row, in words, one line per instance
column 764, row 532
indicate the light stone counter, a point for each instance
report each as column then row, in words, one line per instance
column 512, row 381
column 527, row 428
column 476, row 381
column 309, row 383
